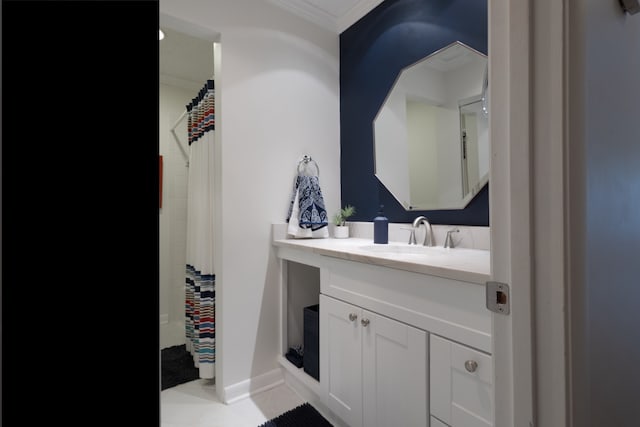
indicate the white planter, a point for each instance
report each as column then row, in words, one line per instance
column 341, row 231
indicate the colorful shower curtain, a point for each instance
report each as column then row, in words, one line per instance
column 200, row 280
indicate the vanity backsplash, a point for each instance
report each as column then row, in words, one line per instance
column 470, row 237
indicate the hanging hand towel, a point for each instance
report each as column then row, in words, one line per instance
column 307, row 216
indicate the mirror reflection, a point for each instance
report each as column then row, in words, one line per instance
column 431, row 139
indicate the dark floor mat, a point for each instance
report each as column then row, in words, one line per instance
column 177, row 366
column 303, row 415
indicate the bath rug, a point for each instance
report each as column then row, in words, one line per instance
column 303, row 415
column 177, row 366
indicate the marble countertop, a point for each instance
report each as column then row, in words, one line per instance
column 468, row 265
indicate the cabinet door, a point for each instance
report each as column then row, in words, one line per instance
column 461, row 384
column 341, row 333
column 395, row 378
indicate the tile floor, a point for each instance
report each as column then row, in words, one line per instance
column 195, row 404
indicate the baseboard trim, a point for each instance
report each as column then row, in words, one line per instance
column 244, row 389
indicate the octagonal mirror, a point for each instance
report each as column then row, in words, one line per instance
column 431, row 135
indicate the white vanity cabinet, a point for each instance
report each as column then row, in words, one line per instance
column 375, row 367
column 394, row 335
column 461, row 385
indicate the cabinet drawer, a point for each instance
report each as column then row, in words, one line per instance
column 462, row 361
column 461, row 384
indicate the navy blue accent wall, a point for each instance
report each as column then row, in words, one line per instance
column 373, row 51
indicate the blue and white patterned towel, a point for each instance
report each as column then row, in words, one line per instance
column 306, row 209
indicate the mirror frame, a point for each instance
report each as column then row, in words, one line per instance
column 481, row 97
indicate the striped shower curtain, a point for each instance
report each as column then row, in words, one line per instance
column 200, row 325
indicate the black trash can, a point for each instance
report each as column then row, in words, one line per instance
column 311, row 359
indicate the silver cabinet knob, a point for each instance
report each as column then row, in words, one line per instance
column 365, row 322
column 353, row 316
column 471, row 365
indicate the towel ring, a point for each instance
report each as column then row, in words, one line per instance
column 304, row 163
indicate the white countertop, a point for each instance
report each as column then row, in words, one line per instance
column 469, row 265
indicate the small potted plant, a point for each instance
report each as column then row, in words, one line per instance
column 341, row 229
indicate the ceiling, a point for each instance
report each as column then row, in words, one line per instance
column 187, row 60
column 334, row 15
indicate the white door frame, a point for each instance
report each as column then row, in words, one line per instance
column 510, row 208
column 527, row 109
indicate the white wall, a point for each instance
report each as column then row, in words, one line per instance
column 173, row 219
column 605, row 205
column 277, row 90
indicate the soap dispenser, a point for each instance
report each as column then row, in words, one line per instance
column 381, row 227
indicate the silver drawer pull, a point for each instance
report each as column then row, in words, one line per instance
column 471, row 365
column 353, row 316
column 365, row 322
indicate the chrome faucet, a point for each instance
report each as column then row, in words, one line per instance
column 448, row 241
column 428, row 233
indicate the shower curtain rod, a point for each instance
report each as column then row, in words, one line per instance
column 175, row 136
